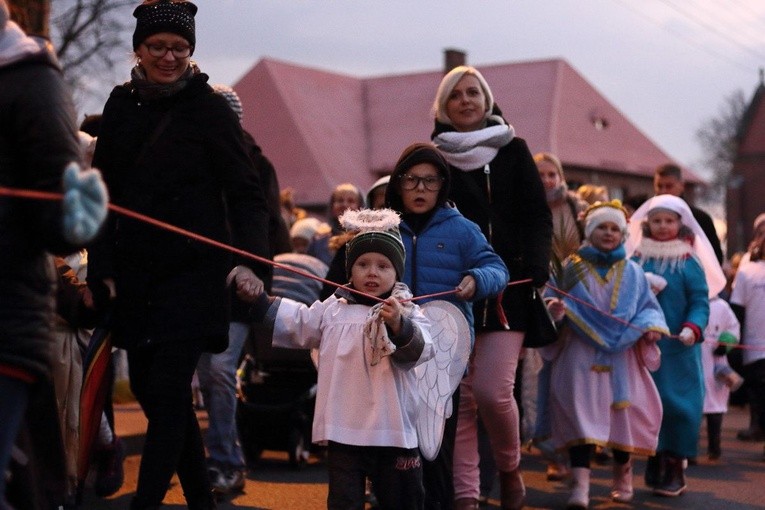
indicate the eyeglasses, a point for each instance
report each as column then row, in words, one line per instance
column 431, row 182
column 160, row 50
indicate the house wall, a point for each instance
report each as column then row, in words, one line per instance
column 746, row 185
column 619, row 185
column 745, row 198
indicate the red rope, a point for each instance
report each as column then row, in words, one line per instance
column 589, row 305
column 626, row 323
column 45, row 195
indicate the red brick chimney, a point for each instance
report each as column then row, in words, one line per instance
column 453, row 58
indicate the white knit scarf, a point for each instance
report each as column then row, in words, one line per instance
column 375, row 331
column 469, row 150
column 669, row 254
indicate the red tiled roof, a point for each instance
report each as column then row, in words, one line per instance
column 321, row 128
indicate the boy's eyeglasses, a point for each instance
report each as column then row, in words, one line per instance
column 431, row 182
column 160, row 50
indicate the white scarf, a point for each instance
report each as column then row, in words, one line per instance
column 374, row 329
column 669, row 254
column 15, row 45
column 702, row 249
column 469, row 150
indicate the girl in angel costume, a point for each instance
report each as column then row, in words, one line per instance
column 368, row 344
column 601, row 391
column 671, row 247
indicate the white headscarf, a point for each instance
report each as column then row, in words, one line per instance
column 701, row 246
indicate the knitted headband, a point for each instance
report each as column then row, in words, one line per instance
column 173, row 16
column 602, row 212
column 377, row 232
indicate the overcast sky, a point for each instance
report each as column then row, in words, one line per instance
column 668, row 65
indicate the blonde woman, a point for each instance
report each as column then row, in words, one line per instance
column 495, row 183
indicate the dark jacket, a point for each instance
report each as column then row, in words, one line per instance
column 447, row 249
column 278, row 231
column 38, row 138
column 521, row 225
column 196, row 175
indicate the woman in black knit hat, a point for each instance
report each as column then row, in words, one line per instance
column 172, row 149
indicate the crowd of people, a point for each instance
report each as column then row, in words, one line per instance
column 646, row 318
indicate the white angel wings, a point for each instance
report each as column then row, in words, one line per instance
column 438, row 378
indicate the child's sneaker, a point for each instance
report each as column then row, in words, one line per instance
column 227, row 481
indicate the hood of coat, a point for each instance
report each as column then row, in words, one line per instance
column 415, row 154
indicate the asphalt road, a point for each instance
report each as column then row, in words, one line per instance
column 735, row 482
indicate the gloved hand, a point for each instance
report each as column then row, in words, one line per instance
column 248, row 286
column 85, row 204
column 687, row 336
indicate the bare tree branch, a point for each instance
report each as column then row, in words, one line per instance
column 87, row 35
column 718, row 137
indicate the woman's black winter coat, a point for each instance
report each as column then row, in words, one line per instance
column 38, row 138
column 521, row 225
column 195, row 174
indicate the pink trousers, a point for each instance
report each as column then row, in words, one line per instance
column 488, row 388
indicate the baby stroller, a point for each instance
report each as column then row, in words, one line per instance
column 276, row 397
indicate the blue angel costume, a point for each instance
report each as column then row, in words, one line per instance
column 680, row 378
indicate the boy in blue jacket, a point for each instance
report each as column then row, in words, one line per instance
column 444, row 251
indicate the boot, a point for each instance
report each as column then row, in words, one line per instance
column 580, row 489
column 511, row 489
column 622, row 488
column 673, row 483
column 654, row 470
column 466, row 504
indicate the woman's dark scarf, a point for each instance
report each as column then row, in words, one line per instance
column 148, row 91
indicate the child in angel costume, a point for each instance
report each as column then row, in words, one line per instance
column 722, row 332
column 679, row 260
column 601, row 391
column 369, row 338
